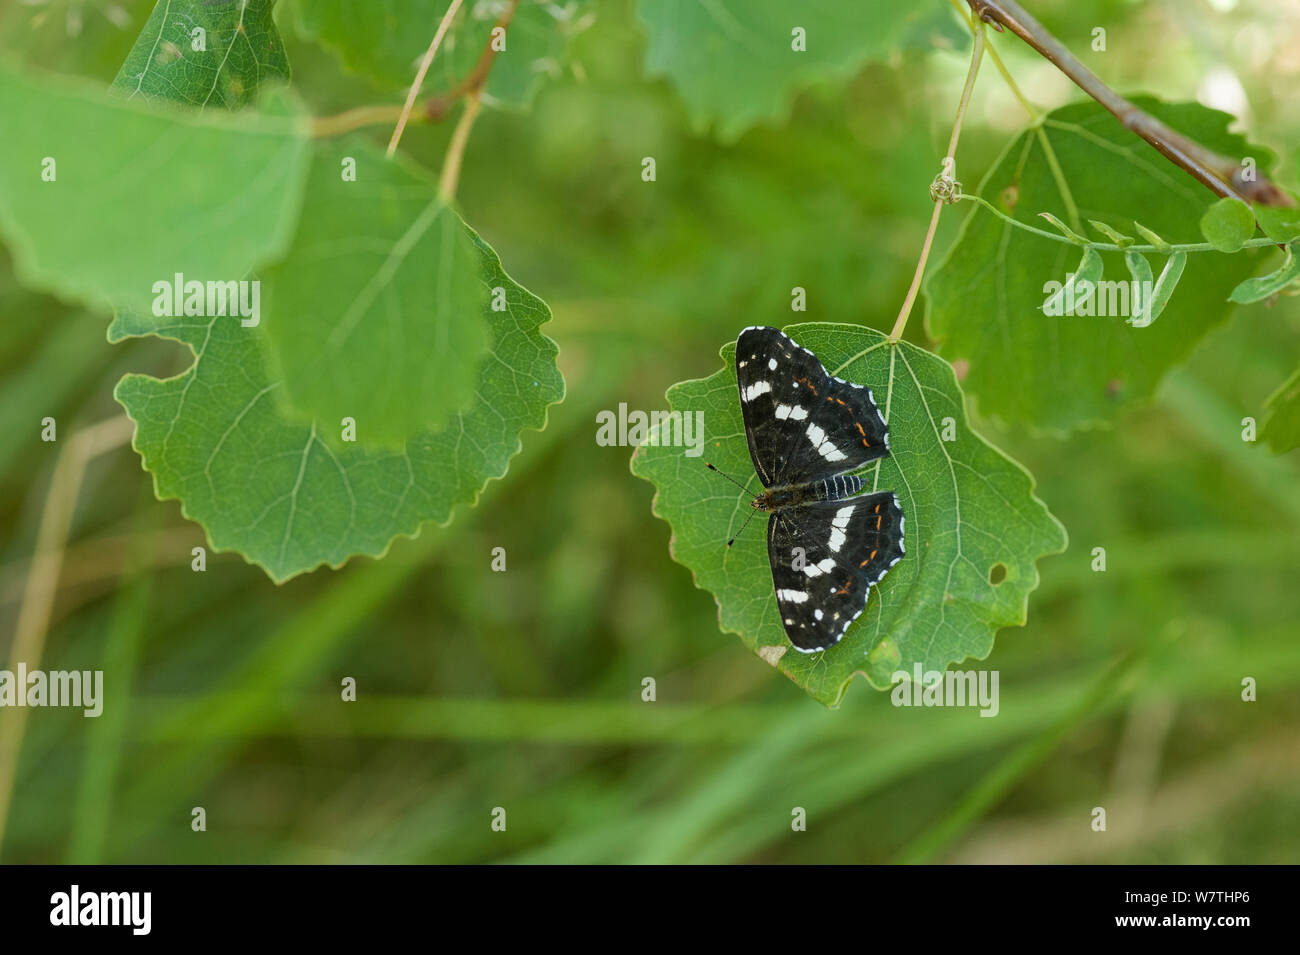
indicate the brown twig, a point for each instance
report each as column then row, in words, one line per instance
column 1221, row 174
column 437, row 106
column 435, row 109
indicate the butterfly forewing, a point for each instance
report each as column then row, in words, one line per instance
column 802, row 424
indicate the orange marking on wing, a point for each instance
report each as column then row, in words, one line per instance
column 868, row 560
column 845, row 589
column 878, row 520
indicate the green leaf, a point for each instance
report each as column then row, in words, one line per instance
column 376, row 312
column 1139, row 271
column 1282, row 422
column 537, row 44
column 1164, row 288
column 209, row 195
column 238, row 51
column 1119, row 238
column 1258, row 289
column 281, row 494
column 1280, row 223
column 1227, row 224
column 1079, row 287
column 983, row 301
column 733, row 61
column 1064, row 229
column 384, row 40
column 1156, row 240
column 381, row 39
column 970, row 512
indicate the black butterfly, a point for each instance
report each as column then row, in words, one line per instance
column 806, row 431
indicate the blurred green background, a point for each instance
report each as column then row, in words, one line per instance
column 522, row 689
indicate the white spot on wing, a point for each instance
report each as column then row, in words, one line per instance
column 823, row 445
column 756, row 389
column 823, row 566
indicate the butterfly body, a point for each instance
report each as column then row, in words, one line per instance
column 807, row 430
column 792, row 495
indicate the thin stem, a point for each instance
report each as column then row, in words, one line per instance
column 949, row 169
column 474, row 80
column 1221, row 174
column 900, row 323
column 434, row 108
column 358, row 118
column 1256, row 243
column 43, row 578
column 419, row 76
column 456, row 148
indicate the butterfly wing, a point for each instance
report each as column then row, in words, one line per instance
column 802, row 424
column 825, row 559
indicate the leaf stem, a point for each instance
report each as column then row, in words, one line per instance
column 1105, row 246
column 942, row 194
column 434, row 108
column 345, row 122
column 992, row 51
column 456, row 148
column 419, row 76
column 474, row 80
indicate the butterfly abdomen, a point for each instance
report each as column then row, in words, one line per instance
column 838, row 487
column 792, row 495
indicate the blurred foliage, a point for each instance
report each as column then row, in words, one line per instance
column 522, row 689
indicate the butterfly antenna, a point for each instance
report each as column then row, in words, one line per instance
column 743, row 488
column 725, row 475
column 742, row 527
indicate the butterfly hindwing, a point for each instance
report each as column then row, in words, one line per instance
column 826, row 556
column 802, row 424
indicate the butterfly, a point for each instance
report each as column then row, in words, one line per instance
column 807, row 431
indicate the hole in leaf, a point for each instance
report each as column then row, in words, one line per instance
column 997, row 573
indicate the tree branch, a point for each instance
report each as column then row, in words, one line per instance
column 1221, row 174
